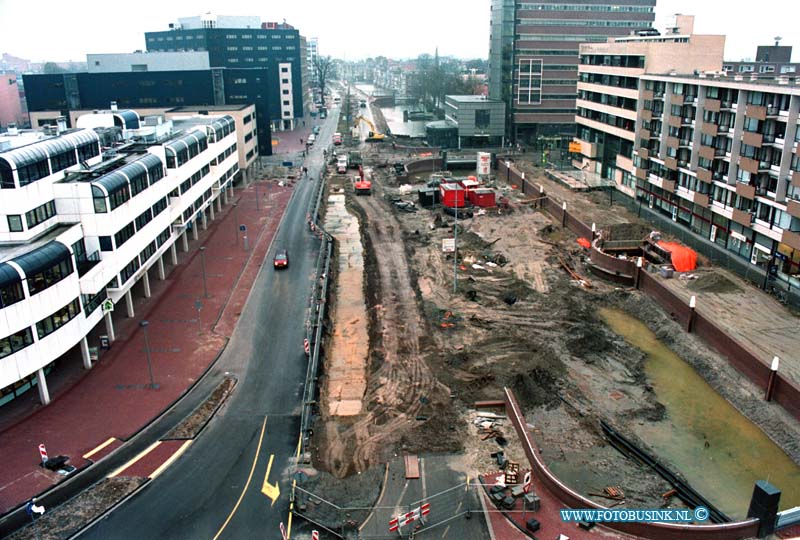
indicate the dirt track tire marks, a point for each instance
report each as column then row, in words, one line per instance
column 401, row 383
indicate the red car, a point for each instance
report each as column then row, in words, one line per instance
column 281, row 259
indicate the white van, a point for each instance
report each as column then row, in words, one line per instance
column 311, row 139
column 341, row 164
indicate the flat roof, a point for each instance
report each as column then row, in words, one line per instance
column 12, row 251
column 472, row 99
column 788, row 87
column 216, row 108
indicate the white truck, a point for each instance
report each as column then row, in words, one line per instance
column 341, row 164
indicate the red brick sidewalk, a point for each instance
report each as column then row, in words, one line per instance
column 113, row 399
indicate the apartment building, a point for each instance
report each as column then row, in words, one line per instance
column 720, row 157
column 771, row 61
column 609, row 89
column 90, row 212
column 533, row 57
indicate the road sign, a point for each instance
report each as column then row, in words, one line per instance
column 43, row 452
column 108, row 305
column 306, row 347
column 283, row 531
column 527, row 481
column 575, row 147
column 314, row 535
column 243, row 228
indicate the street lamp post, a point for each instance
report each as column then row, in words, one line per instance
column 203, row 265
column 236, row 222
column 144, row 324
column 455, row 250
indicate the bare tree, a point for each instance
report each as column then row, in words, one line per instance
column 323, row 71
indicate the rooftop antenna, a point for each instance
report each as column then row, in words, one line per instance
column 777, row 40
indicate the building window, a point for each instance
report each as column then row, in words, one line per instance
column 745, row 68
column 766, row 69
column 285, row 81
column 58, row 319
column 40, row 214
column 529, row 82
column 105, row 243
column 285, row 92
column 284, row 70
column 11, row 294
column 15, row 223
column 15, row 342
column 482, row 119
column 49, row 276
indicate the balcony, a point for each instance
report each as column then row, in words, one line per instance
column 712, row 105
column 742, row 217
column 724, row 129
column 644, row 133
column 700, row 199
column 773, row 112
column 795, row 179
column 706, row 152
column 624, row 163
column 752, row 138
column 748, row 164
column 759, row 112
column 644, row 153
column 687, row 99
column 726, row 105
column 647, row 115
column 793, row 207
column 685, row 143
column 709, row 129
column 704, row 175
column 588, row 149
column 791, row 239
column 676, row 99
column 687, row 121
column 641, row 173
column 671, row 142
column 745, row 190
column 671, row 163
column 674, row 121
column 647, row 94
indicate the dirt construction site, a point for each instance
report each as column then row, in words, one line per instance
column 514, row 307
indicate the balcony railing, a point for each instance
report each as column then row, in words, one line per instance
column 87, row 262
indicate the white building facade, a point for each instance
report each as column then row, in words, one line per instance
column 85, row 219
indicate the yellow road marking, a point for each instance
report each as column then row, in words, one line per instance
column 273, row 491
column 247, row 484
column 100, row 447
column 294, row 486
column 172, row 458
column 134, row 460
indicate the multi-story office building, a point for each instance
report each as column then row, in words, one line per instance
column 533, row 57
column 152, row 92
column 721, row 157
column 87, row 214
column 247, row 43
column 771, row 61
column 11, row 110
column 609, row 89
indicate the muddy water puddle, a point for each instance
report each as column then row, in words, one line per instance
column 347, row 359
column 717, row 449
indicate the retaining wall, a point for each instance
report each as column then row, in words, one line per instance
column 657, row 531
column 785, row 392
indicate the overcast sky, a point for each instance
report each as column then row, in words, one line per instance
column 60, row 30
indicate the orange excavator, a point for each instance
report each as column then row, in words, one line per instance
column 362, row 183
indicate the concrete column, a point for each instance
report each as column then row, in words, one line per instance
column 204, row 220
column 185, row 241
column 109, row 327
column 129, row 304
column 211, row 210
column 195, row 234
column 173, row 251
column 41, row 384
column 225, row 194
column 161, row 274
column 87, row 360
column 218, row 200
column 146, row 282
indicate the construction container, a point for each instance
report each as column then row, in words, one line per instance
column 483, row 197
column 452, row 195
column 470, row 184
column 428, row 197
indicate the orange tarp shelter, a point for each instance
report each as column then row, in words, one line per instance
column 684, row 259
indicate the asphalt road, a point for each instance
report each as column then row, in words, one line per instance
column 216, row 489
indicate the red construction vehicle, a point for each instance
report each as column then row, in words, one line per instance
column 362, row 183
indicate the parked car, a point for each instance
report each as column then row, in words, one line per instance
column 311, row 139
column 316, row 130
column 341, row 164
column 281, row 259
column 337, row 138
